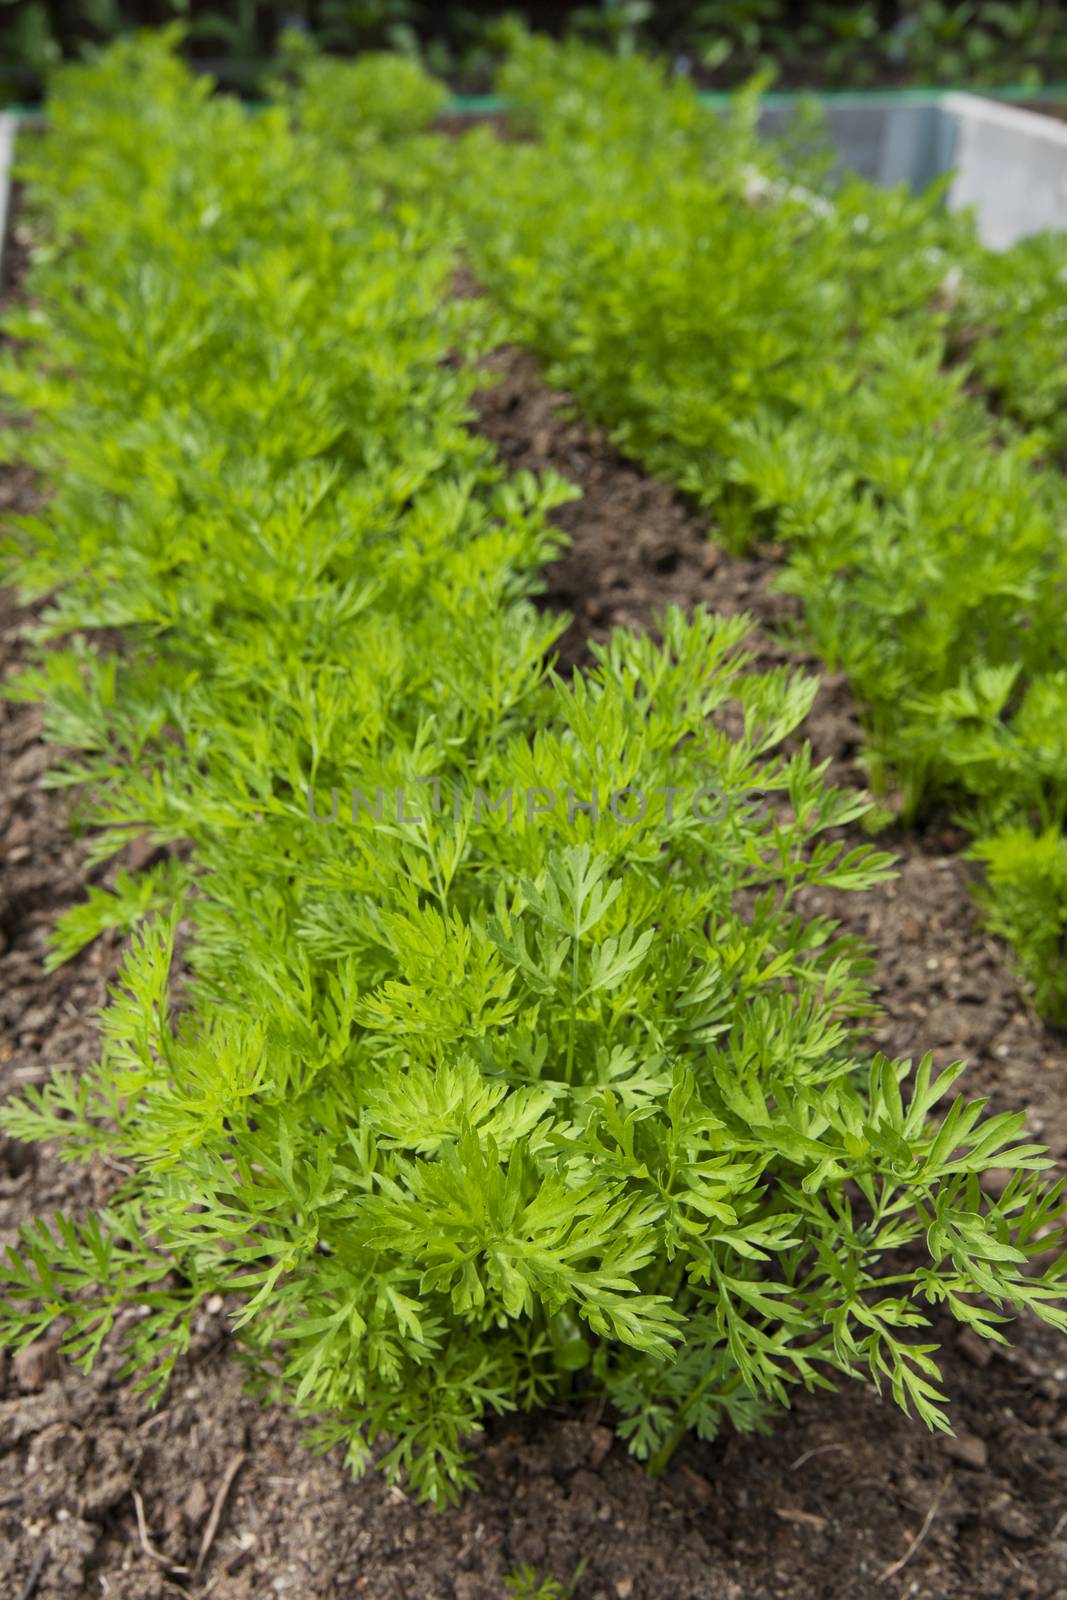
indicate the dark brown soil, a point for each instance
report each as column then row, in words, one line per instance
column 846, row 1499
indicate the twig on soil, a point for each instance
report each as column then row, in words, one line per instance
column 892, row 1570
column 216, row 1510
column 820, row 1450
column 33, row 1577
column 792, row 1514
column 146, row 1544
column 153, row 1421
column 116, row 1166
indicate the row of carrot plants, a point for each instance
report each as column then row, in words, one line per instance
column 473, row 1042
column 832, row 366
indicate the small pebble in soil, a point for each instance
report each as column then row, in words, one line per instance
column 35, row 1364
column 196, row 1504
column 995, row 1180
column 1012, row 1519
column 968, row 1450
column 697, row 1487
column 979, row 1352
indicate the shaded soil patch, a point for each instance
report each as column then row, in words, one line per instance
column 826, row 1507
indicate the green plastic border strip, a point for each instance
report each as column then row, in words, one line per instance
column 483, row 105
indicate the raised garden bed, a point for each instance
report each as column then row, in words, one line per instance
column 746, row 1518
column 846, row 1496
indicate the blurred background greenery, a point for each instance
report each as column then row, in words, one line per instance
column 812, row 44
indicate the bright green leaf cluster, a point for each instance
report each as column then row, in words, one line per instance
column 468, row 1111
column 788, row 353
column 1010, row 321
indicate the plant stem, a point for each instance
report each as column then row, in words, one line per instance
column 662, row 1458
column 574, row 1010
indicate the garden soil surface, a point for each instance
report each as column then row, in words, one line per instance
column 214, row 1495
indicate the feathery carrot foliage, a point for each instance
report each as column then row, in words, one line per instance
column 467, row 1111
column 788, row 353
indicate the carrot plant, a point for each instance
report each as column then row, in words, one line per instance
column 1010, row 318
column 478, row 1046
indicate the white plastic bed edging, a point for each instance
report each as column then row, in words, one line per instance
column 885, row 138
column 1011, row 165
column 8, row 124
